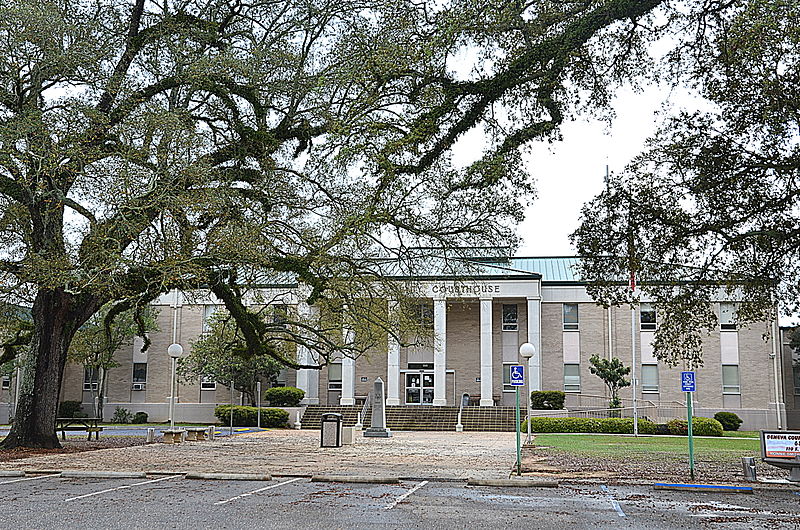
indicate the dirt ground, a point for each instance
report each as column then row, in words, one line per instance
column 408, row 454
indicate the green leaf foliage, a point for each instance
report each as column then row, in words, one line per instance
column 588, row 425
column 700, row 427
column 248, row 416
column 730, row 421
column 284, row 396
column 547, row 400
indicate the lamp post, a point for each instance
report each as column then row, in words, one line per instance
column 174, row 351
column 526, row 351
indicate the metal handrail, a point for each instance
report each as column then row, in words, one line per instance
column 459, row 425
column 363, row 412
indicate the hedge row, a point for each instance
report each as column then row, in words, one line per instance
column 248, row 416
column 590, row 425
column 700, row 427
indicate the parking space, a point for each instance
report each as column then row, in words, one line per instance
column 177, row 502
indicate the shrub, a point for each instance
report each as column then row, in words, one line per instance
column 589, row 425
column 121, row 415
column 284, row 396
column 547, row 400
column 139, row 417
column 700, row 427
column 248, row 416
column 662, row 428
column 68, row 409
column 730, row 421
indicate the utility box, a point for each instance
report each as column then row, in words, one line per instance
column 749, row 468
column 331, row 430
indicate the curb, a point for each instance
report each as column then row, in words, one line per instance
column 43, row 471
column 228, row 476
column 5, row 473
column 355, row 479
column 706, row 488
column 513, row 483
column 165, row 472
column 103, row 474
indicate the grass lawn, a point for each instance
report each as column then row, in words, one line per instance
column 741, row 434
column 623, row 447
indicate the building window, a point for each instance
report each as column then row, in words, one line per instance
column 420, row 366
column 650, row 378
column 208, row 315
column 207, row 383
column 89, row 378
column 647, row 317
column 727, row 315
column 335, row 376
column 730, row 379
column 572, row 378
column 570, row 317
column 139, row 372
column 510, row 317
column 280, row 315
column 5, row 382
column 423, row 314
column 796, row 369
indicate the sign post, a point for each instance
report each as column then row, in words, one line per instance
column 518, row 380
column 689, row 385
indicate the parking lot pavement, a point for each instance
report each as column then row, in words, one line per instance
column 177, row 502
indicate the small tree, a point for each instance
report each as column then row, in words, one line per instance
column 613, row 373
column 221, row 355
column 95, row 344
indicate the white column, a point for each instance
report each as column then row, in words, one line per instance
column 307, row 379
column 348, row 373
column 393, row 364
column 486, row 353
column 440, row 352
column 535, row 338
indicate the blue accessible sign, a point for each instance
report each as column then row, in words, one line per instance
column 688, row 383
column 517, row 375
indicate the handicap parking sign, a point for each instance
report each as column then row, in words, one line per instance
column 688, row 383
column 517, row 375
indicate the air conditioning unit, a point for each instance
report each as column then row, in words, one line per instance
column 139, row 386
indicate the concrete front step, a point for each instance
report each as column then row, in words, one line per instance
column 421, row 417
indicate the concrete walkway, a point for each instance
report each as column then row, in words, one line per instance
column 447, row 455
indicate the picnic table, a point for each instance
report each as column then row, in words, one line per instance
column 90, row 425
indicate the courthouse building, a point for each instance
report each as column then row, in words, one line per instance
column 478, row 324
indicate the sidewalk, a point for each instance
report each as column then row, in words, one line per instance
column 446, row 455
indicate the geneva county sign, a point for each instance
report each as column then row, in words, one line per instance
column 781, row 444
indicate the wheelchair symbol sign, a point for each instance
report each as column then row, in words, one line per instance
column 688, row 383
column 517, row 375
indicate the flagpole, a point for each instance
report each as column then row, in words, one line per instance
column 633, row 364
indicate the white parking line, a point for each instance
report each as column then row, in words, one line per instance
column 259, row 490
column 121, row 487
column 614, row 502
column 30, row 478
column 405, row 495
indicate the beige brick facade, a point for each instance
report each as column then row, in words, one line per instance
column 463, row 354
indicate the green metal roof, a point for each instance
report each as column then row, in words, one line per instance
column 557, row 269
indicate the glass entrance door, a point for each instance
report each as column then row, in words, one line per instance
column 419, row 389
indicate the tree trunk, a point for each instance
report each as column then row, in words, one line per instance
column 57, row 315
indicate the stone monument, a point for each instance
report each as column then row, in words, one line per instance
column 378, row 428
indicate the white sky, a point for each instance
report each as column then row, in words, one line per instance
column 571, row 172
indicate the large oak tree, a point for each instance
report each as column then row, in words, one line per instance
column 147, row 145
column 711, row 208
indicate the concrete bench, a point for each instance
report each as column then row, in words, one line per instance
column 173, row 436
column 196, row 434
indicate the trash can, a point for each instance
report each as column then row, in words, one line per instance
column 749, row 468
column 331, row 430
